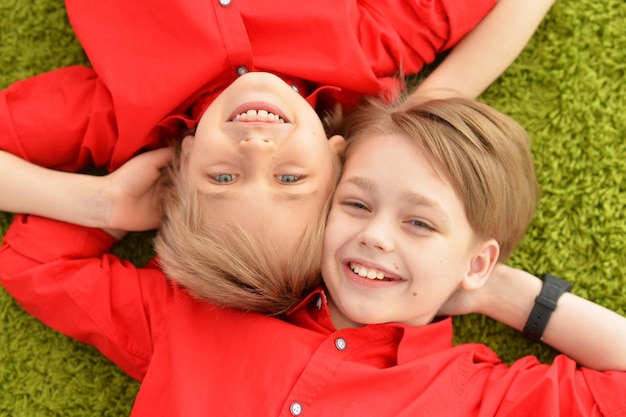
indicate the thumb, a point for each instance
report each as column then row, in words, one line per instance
column 158, row 158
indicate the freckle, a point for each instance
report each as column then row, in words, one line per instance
column 395, row 267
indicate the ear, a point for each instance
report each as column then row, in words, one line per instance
column 481, row 264
column 185, row 147
column 337, row 144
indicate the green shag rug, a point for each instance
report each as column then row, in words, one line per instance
column 567, row 89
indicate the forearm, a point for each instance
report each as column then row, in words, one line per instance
column 28, row 188
column 487, row 51
column 590, row 334
column 126, row 200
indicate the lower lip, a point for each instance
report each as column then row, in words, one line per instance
column 367, row 282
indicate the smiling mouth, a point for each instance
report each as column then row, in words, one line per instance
column 259, row 112
column 254, row 115
column 370, row 273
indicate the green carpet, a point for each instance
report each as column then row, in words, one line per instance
column 567, row 89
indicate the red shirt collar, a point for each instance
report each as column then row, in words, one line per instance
column 405, row 342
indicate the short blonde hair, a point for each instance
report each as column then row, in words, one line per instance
column 485, row 154
column 224, row 263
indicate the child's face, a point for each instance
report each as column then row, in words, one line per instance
column 394, row 216
column 271, row 169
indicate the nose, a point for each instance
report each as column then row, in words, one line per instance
column 258, row 143
column 377, row 234
column 259, row 152
column 257, row 147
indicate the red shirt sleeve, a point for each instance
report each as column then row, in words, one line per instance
column 609, row 395
column 65, row 276
column 412, row 33
column 62, row 119
column 529, row 387
column 463, row 16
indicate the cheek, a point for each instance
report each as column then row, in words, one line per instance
column 328, row 183
column 327, row 178
column 333, row 232
column 441, row 275
column 434, row 264
column 333, row 221
column 329, row 234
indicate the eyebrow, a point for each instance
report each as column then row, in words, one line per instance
column 278, row 196
column 414, row 199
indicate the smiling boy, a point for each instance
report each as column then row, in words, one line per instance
column 260, row 156
column 403, row 236
column 398, row 242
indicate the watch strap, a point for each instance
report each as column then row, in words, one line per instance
column 545, row 303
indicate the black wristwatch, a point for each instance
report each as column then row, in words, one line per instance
column 545, row 303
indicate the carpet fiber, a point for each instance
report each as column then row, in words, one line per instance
column 567, row 89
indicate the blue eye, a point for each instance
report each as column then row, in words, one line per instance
column 225, row 178
column 288, row 178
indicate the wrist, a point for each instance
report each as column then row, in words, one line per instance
column 510, row 296
column 545, row 304
column 98, row 201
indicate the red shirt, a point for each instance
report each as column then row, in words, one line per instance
column 194, row 358
column 154, row 59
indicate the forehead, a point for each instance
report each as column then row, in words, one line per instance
column 383, row 151
column 397, row 149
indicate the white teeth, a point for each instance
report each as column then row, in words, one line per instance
column 366, row 273
column 258, row 115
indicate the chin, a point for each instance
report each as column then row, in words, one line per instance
column 362, row 318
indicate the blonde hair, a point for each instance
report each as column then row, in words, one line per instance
column 224, row 263
column 485, row 154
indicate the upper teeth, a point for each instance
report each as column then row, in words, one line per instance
column 258, row 115
column 365, row 272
